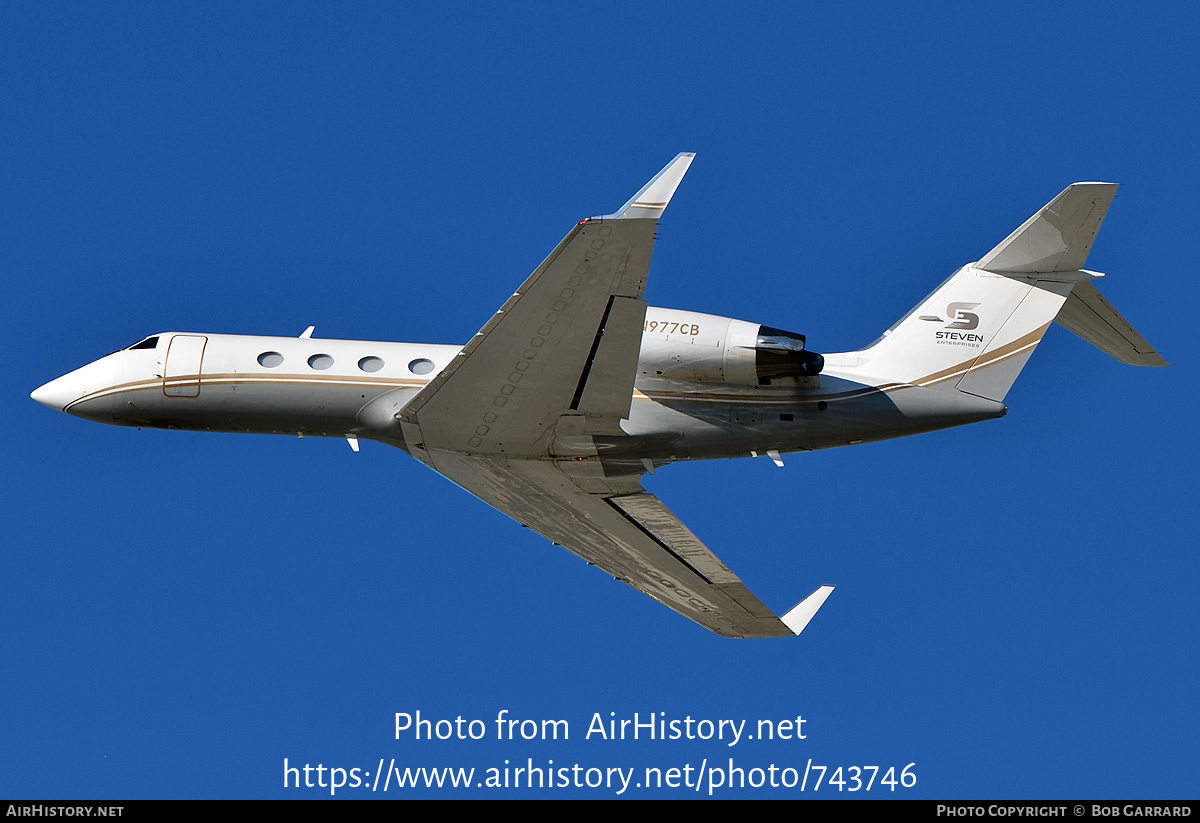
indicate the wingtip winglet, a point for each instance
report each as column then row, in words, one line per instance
column 797, row 618
column 652, row 199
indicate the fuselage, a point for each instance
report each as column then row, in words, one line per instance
column 705, row 388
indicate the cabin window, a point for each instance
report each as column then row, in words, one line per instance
column 421, row 365
column 320, row 362
column 270, row 359
column 148, row 343
column 371, row 363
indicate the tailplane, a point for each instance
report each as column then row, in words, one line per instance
column 1087, row 314
column 977, row 330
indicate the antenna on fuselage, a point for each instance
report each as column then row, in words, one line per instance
column 307, row 333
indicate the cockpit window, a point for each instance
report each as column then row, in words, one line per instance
column 148, row 343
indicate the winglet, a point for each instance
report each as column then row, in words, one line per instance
column 799, row 615
column 651, row 201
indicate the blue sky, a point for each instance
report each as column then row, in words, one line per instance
column 1016, row 605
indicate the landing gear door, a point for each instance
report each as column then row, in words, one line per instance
column 181, row 374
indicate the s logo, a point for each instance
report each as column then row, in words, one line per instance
column 963, row 318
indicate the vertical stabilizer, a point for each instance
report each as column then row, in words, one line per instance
column 978, row 329
column 973, row 334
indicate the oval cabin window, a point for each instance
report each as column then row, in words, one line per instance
column 421, row 365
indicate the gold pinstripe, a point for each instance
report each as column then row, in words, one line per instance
column 999, row 355
column 251, row 379
column 1005, row 352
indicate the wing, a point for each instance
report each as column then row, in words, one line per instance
column 514, row 417
column 628, row 533
column 564, row 345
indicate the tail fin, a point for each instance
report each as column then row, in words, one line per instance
column 978, row 329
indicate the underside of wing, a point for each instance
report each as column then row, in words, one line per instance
column 516, row 417
column 564, row 345
column 631, row 535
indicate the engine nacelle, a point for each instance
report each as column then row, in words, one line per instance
column 780, row 353
column 691, row 347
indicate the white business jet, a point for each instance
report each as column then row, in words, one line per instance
column 575, row 388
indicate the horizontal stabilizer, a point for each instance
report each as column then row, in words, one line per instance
column 799, row 615
column 1057, row 238
column 1087, row 314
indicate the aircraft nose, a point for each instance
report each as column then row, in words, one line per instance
column 57, row 393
